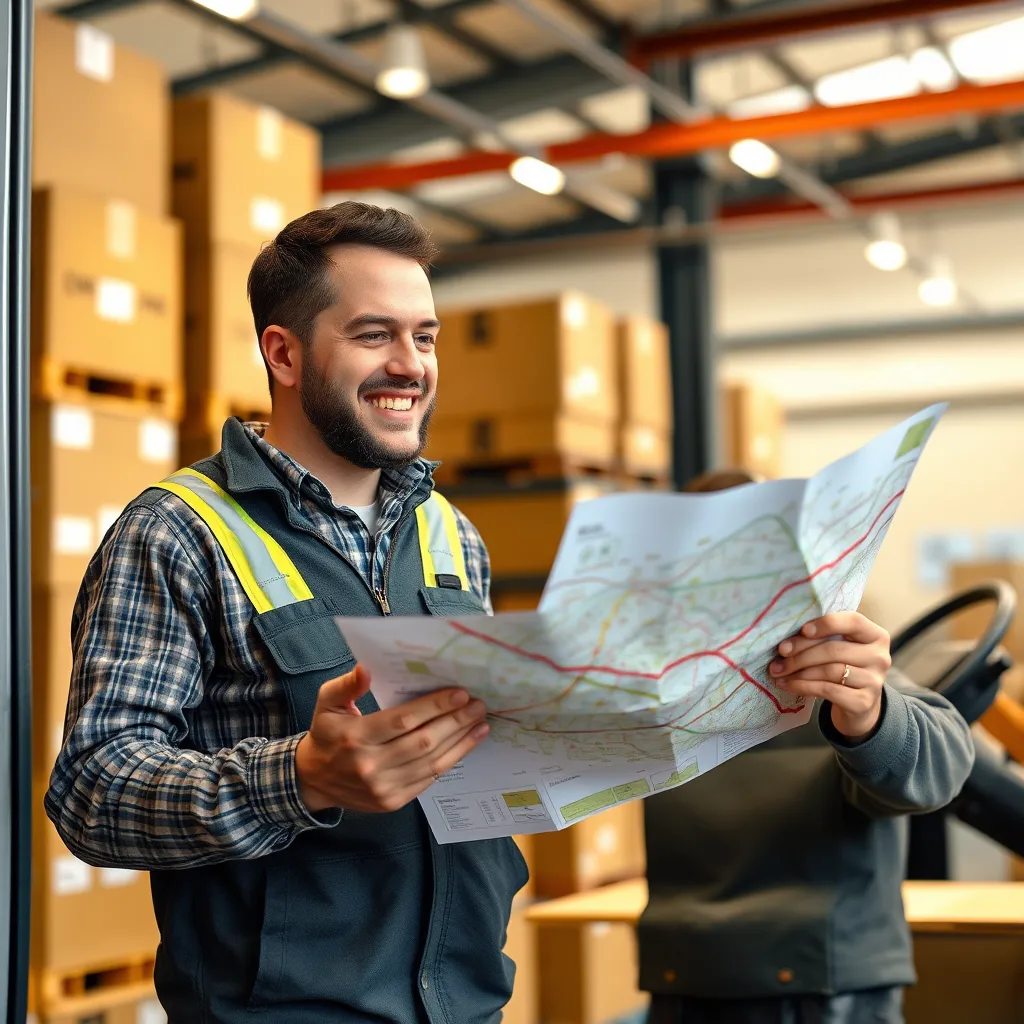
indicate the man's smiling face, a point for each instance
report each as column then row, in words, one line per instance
column 369, row 374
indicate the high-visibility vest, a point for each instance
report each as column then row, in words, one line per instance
column 270, row 578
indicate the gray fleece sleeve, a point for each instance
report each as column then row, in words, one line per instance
column 916, row 760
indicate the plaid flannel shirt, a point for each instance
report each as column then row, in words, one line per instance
column 177, row 749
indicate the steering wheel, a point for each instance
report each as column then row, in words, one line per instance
column 971, row 682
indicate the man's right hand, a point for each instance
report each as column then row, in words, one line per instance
column 381, row 762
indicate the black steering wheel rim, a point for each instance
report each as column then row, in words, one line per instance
column 998, row 592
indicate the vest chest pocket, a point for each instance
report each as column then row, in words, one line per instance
column 450, row 604
column 307, row 648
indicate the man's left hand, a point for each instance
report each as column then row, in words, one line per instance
column 842, row 658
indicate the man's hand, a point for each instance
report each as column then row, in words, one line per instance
column 380, row 762
column 814, row 663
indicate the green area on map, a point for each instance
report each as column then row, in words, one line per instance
column 678, row 778
column 521, row 798
column 914, row 437
column 418, row 668
column 606, row 798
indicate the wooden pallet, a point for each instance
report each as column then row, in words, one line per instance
column 86, row 990
column 60, row 382
column 516, row 471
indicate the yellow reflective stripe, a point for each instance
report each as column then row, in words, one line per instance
column 285, row 566
column 423, row 529
column 451, row 529
column 227, row 540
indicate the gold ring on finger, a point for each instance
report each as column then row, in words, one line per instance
column 846, row 675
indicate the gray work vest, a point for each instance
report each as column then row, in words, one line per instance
column 368, row 921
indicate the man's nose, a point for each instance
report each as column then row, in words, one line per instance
column 405, row 360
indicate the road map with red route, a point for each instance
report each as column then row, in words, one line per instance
column 646, row 664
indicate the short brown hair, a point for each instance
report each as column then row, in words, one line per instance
column 289, row 283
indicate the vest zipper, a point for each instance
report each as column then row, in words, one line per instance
column 381, row 594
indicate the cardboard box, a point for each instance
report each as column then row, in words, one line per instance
column 645, row 374
column 241, row 171
column 553, row 356
column 112, row 1009
column 89, row 459
column 606, row 847
column 588, row 973
column 100, row 116
column 645, row 451
column 222, row 350
column 517, row 598
column 544, row 444
column 106, row 295
column 971, row 624
column 521, row 946
column 526, row 848
column 52, row 608
column 753, row 421
column 85, row 918
column 522, row 527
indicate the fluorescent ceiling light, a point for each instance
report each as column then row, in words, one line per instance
column 991, row 54
column 755, row 157
column 538, row 175
column 236, row 10
column 403, row 74
column 787, row 100
column 880, row 80
column 932, row 69
column 885, row 249
column 939, row 287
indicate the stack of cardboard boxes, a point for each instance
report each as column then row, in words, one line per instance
column 545, row 404
column 240, row 173
column 106, row 387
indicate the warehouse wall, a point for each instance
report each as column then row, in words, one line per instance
column 839, row 393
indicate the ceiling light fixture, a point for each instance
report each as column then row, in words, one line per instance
column 933, row 71
column 236, row 10
column 939, row 287
column 536, row 174
column 885, row 250
column 755, row 157
column 403, row 74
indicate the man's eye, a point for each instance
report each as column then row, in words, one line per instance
column 375, row 336
column 425, row 339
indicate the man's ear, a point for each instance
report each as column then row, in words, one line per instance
column 282, row 352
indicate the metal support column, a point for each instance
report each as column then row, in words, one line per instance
column 685, row 194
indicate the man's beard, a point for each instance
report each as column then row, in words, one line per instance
column 337, row 421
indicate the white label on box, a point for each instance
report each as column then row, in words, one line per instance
column 157, row 441
column 72, row 535
column 71, row 875
column 268, row 133
column 606, row 839
column 574, row 312
column 266, row 215
column 115, row 300
column 115, row 878
column 94, row 53
column 107, row 516
column 644, row 341
column 586, row 864
column 120, row 229
column 72, row 427
column 644, row 439
column 584, row 383
column 151, row 1012
column 599, row 929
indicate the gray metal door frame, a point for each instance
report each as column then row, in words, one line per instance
column 15, row 636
